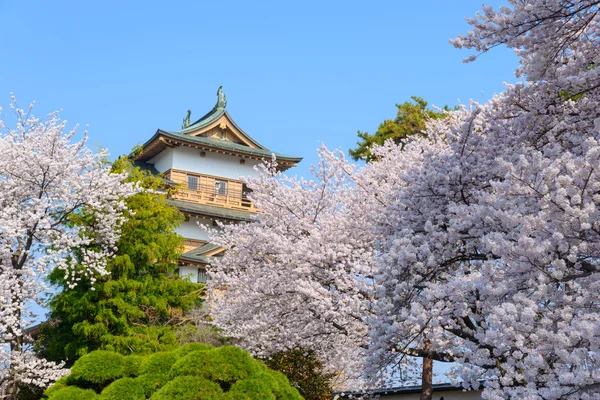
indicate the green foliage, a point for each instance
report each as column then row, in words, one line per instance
column 124, row 389
column 74, row 393
column 200, row 330
column 97, row 369
column 304, row 371
column 152, row 382
column 132, row 365
column 254, row 389
column 281, row 387
column 189, row 388
column 134, row 309
column 158, row 362
column 58, row 385
column 224, row 364
column 189, row 347
column 193, row 371
column 409, row 121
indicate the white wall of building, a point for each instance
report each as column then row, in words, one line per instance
column 163, row 161
column 224, row 165
column 189, row 272
column 191, row 230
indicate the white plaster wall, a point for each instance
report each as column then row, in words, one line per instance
column 163, row 161
column 224, row 165
column 191, row 230
column 189, row 272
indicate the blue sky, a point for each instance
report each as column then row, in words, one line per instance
column 296, row 74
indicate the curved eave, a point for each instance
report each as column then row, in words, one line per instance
column 212, row 212
column 162, row 140
column 194, row 260
column 214, row 116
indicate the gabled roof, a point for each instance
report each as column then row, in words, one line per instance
column 208, row 249
column 213, row 116
column 201, row 255
column 201, row 134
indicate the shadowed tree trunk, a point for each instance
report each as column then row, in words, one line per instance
column 427, row 375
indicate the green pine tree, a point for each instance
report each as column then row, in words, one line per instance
column 135, row 307
column 409, row 121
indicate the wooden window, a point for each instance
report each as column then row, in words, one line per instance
column 220, row 187
column 192, row 182
column 202, row 276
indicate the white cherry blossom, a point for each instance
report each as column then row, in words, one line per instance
column 45, row 180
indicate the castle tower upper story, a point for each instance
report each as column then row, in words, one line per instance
column 206, row 160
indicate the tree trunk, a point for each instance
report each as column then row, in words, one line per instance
column 427, row 375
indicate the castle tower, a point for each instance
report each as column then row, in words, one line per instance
column 206, row 160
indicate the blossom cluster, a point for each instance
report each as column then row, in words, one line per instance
column 301, row 274
column 477, row 242
column 47, row 186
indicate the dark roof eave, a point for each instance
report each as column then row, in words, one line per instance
column 195, row 259
column 212, row 211
column 250, row 153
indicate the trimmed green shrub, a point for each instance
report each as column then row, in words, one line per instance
column 251, row 389
column 152, row 382
column 280, row 385
column 123, row 389
column 192, row 372
column 189, row 347
column 133, row 364
column 97, row 369
column 158, row 362
column 224, row 364
column 73, row 393
column 189, row 388
column 59, row 384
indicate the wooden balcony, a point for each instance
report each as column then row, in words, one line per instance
column 210, row 190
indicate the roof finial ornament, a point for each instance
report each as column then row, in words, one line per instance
column 221, row 99
column 186, row 120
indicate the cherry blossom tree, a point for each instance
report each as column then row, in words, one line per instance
column 492, row 243
column 46, row 182
column 300, row 275
column 478, row 243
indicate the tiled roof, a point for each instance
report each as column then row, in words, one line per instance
column 191, row 136
column 197, row 255
column 194, row 258
column 205, row 248
column 213, row 211
column 212, row 116
column 224, row 145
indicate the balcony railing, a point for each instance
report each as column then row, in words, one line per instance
column 209, row 190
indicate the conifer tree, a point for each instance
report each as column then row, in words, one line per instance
column 134, row 308
column 409, row 121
